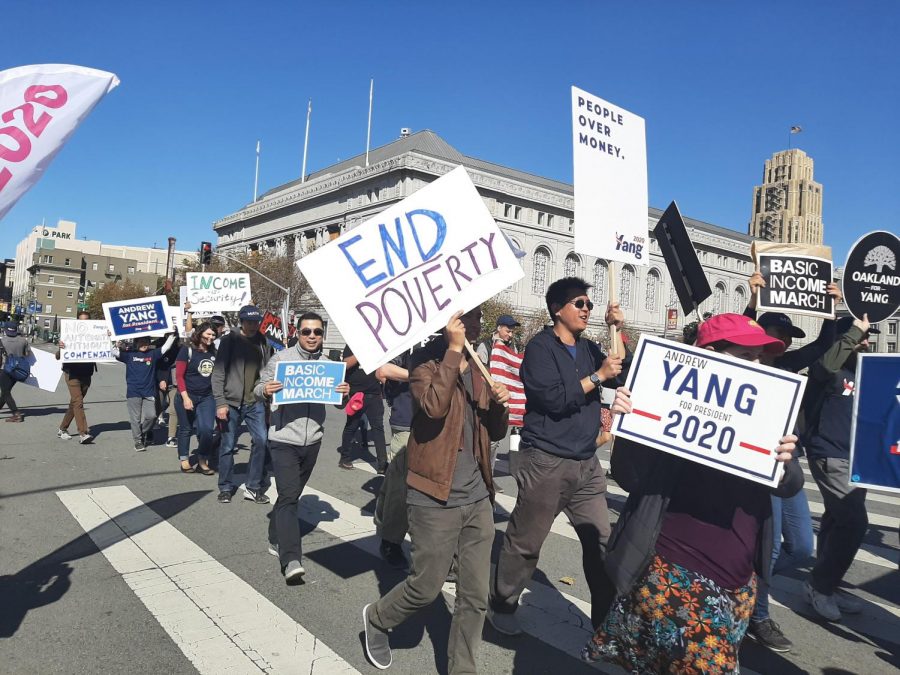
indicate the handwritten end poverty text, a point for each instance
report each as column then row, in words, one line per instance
column 411, row 278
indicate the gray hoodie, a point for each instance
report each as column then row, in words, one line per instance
column 295, row 423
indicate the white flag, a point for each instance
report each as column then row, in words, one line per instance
column 40, row 108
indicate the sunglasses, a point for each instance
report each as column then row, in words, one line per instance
column 579, row 304
column 311, row 331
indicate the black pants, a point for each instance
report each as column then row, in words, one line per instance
column 6, row 385
column 292, row 466
column 373, row 408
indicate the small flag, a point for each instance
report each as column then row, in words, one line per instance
column 796, row 129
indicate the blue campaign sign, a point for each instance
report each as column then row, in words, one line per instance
column 308, row 381
column 141, row 316
column 875, row 437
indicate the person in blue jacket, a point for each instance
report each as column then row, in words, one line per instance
column 141, row 384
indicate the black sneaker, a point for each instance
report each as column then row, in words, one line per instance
column 393, row 555
column 256, row 496
column 378, row 646
column 768, row 634
column 224, row 497
column 139, row 447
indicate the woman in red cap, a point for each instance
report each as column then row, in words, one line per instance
column 686, row 550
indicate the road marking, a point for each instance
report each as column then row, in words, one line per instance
column 220, row 623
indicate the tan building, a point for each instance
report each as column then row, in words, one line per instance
column 787, row 207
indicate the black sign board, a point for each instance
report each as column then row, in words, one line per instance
column 796, row 283
column 681, row 260
column 872, row 278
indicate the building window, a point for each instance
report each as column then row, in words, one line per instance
column 518, row 213
column 719, row 298
column 539, row 271
column 626, row 286
column 892, row 328
column 540, row 217
column 652, row 291
column 51, row 279
column 70, row 294
column 740, row 300
column 549, row 220
column 68, row 310
column 112, row 268
column 507, row 210
column 94, row 266
column 130, row 270
column 67, row 262
column 50, row 293
column 673, row 297
column 571, row 266
column 891, row 347
column 601, row 270
column 48, row 309
column 146, row 289
column 70, row 280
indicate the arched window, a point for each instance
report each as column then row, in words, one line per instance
column 673, row 297
column 539, row 271
column 719, row 299
column 740, row 300
column 601, row 272
column 626, row 286
column 572, row 266
column 652, row 290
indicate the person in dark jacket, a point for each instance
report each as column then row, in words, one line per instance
column 686, row 551
column 557, row 468
column 372, row 409
column 11, row 344
column 194, row 401
column 78, row 380
column 141, row 385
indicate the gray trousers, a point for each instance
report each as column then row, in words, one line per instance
column 142, row 413
column 843, row 524
column 549, row 485
column 437, row 534
column 391, row 523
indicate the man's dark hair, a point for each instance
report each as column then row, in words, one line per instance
column 310, row 316
column 560, row 292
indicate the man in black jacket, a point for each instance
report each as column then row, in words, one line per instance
column 78, row 380
column 558, row 469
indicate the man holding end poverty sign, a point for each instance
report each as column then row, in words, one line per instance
column 395, row 279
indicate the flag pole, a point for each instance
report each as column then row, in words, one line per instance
column 369, row 128
column 306, row 142
column 256, row 177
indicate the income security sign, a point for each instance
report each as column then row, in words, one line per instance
column 308, row 381
column 140, row 317
column 875, row 434
column 85, row 341
column 395, row 279
column 210, row 292
column 710, row 408
column 609, row 149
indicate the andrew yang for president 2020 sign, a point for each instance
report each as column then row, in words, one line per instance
column 710, row 408
column 871, row 281
column 137, row 318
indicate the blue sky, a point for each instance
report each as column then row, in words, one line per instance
column 719, row 83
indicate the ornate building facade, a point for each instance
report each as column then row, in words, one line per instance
column 787, row 207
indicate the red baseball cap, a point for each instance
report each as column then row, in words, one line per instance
column 736, row 329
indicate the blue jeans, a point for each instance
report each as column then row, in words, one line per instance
column 254, row 414
column 790, row 519
column 204, row 416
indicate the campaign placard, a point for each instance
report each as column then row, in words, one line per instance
column 271, row 328
column 45, row 370
column 140, row 317
column 875, row 431
column 685, row 270
column 85, row 341
column 609, row 148
column 397, row 278
column 309, row 381
column 710, row 408
column 796, row 284
column 871, row 281
column 212, row 292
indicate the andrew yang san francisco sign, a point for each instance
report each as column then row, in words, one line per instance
column 871, row 281
column 395, row 279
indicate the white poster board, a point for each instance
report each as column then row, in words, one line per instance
column 397, row 278
column 212, row 292
column 85, row 341
column 609, row 148
column 710, row 408
column 176, row 316
column 45, row 370
column 141, row 317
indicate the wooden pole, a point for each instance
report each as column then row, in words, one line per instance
column 479, row 364
column 613, row 331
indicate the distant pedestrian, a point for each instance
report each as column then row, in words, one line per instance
column 141, row 385
column 372, row 409
column 78, row 380
column 194, row 401
column 13, row 346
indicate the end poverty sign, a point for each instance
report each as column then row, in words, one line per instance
column 211, row 292
column 710, row 408
column 308, row 382
column 139, row 317
column 398, row 277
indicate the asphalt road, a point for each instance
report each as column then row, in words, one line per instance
column 156, row 577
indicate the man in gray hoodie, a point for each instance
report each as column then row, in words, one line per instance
column 295, row 435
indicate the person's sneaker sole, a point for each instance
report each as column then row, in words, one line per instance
column 371, row 658
column 809, row 593
column 87, row 438
column 273, row 550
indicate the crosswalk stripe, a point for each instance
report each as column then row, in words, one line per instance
column 192, row 596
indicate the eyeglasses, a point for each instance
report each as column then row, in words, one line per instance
column 306, row 332
column 579, row 304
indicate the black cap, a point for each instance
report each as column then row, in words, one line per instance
column 507, row 320
column 217, row 320
column 250, row 313
column 782, row 321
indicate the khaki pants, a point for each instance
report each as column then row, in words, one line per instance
column 78, row 389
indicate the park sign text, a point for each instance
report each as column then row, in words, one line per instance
column 141, row 317
column 85, row 341
column 797, row 278
column 710, row 408
column 609, row 148
column 397, row 278
column 308, row 382
column 212, row 292
column 871, row 281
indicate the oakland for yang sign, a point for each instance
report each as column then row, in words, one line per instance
column 710, row 408
column 871, row 281
column 397, row 278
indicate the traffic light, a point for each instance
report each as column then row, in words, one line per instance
column 205, row 253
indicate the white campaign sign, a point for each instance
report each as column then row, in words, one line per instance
column 40, row 108
column 609, row 148
column 211, row 292
column 710, row 408
column 85, row 341
column 45, row 370
column 397, row 278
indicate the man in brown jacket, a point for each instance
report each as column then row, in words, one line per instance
column 456, row 416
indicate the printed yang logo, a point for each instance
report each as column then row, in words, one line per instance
column 205, row 367
column 628, row 247
column 880, row 257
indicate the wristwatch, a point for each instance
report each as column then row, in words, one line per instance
column 595, row 380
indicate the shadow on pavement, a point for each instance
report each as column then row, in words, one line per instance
column 95, row 482
column 98, row 429
column 46, row 580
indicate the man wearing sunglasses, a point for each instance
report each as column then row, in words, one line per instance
column 557, row 467
column 295, row 436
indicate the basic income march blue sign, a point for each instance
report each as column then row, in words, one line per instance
column 308, row 381
column 875, row 439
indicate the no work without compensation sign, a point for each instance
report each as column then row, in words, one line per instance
column 308, row 381
column 711, row 408
column 85, row 341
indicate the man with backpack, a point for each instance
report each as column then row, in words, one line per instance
column 15, row 368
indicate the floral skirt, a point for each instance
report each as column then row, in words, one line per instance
column 674, row 621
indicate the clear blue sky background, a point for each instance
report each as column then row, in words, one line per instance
column 719, row 83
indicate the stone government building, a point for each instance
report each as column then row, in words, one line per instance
column 535, row 212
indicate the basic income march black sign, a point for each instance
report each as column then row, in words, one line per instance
column 796, row 283
column 684, row 267
column 871, row 280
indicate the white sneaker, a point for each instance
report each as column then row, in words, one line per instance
column 293, row 570
column 273, row 549
column 507, row 624
column 85, row 438
column 847, row 602
column 826, row 606
column 63, row 434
